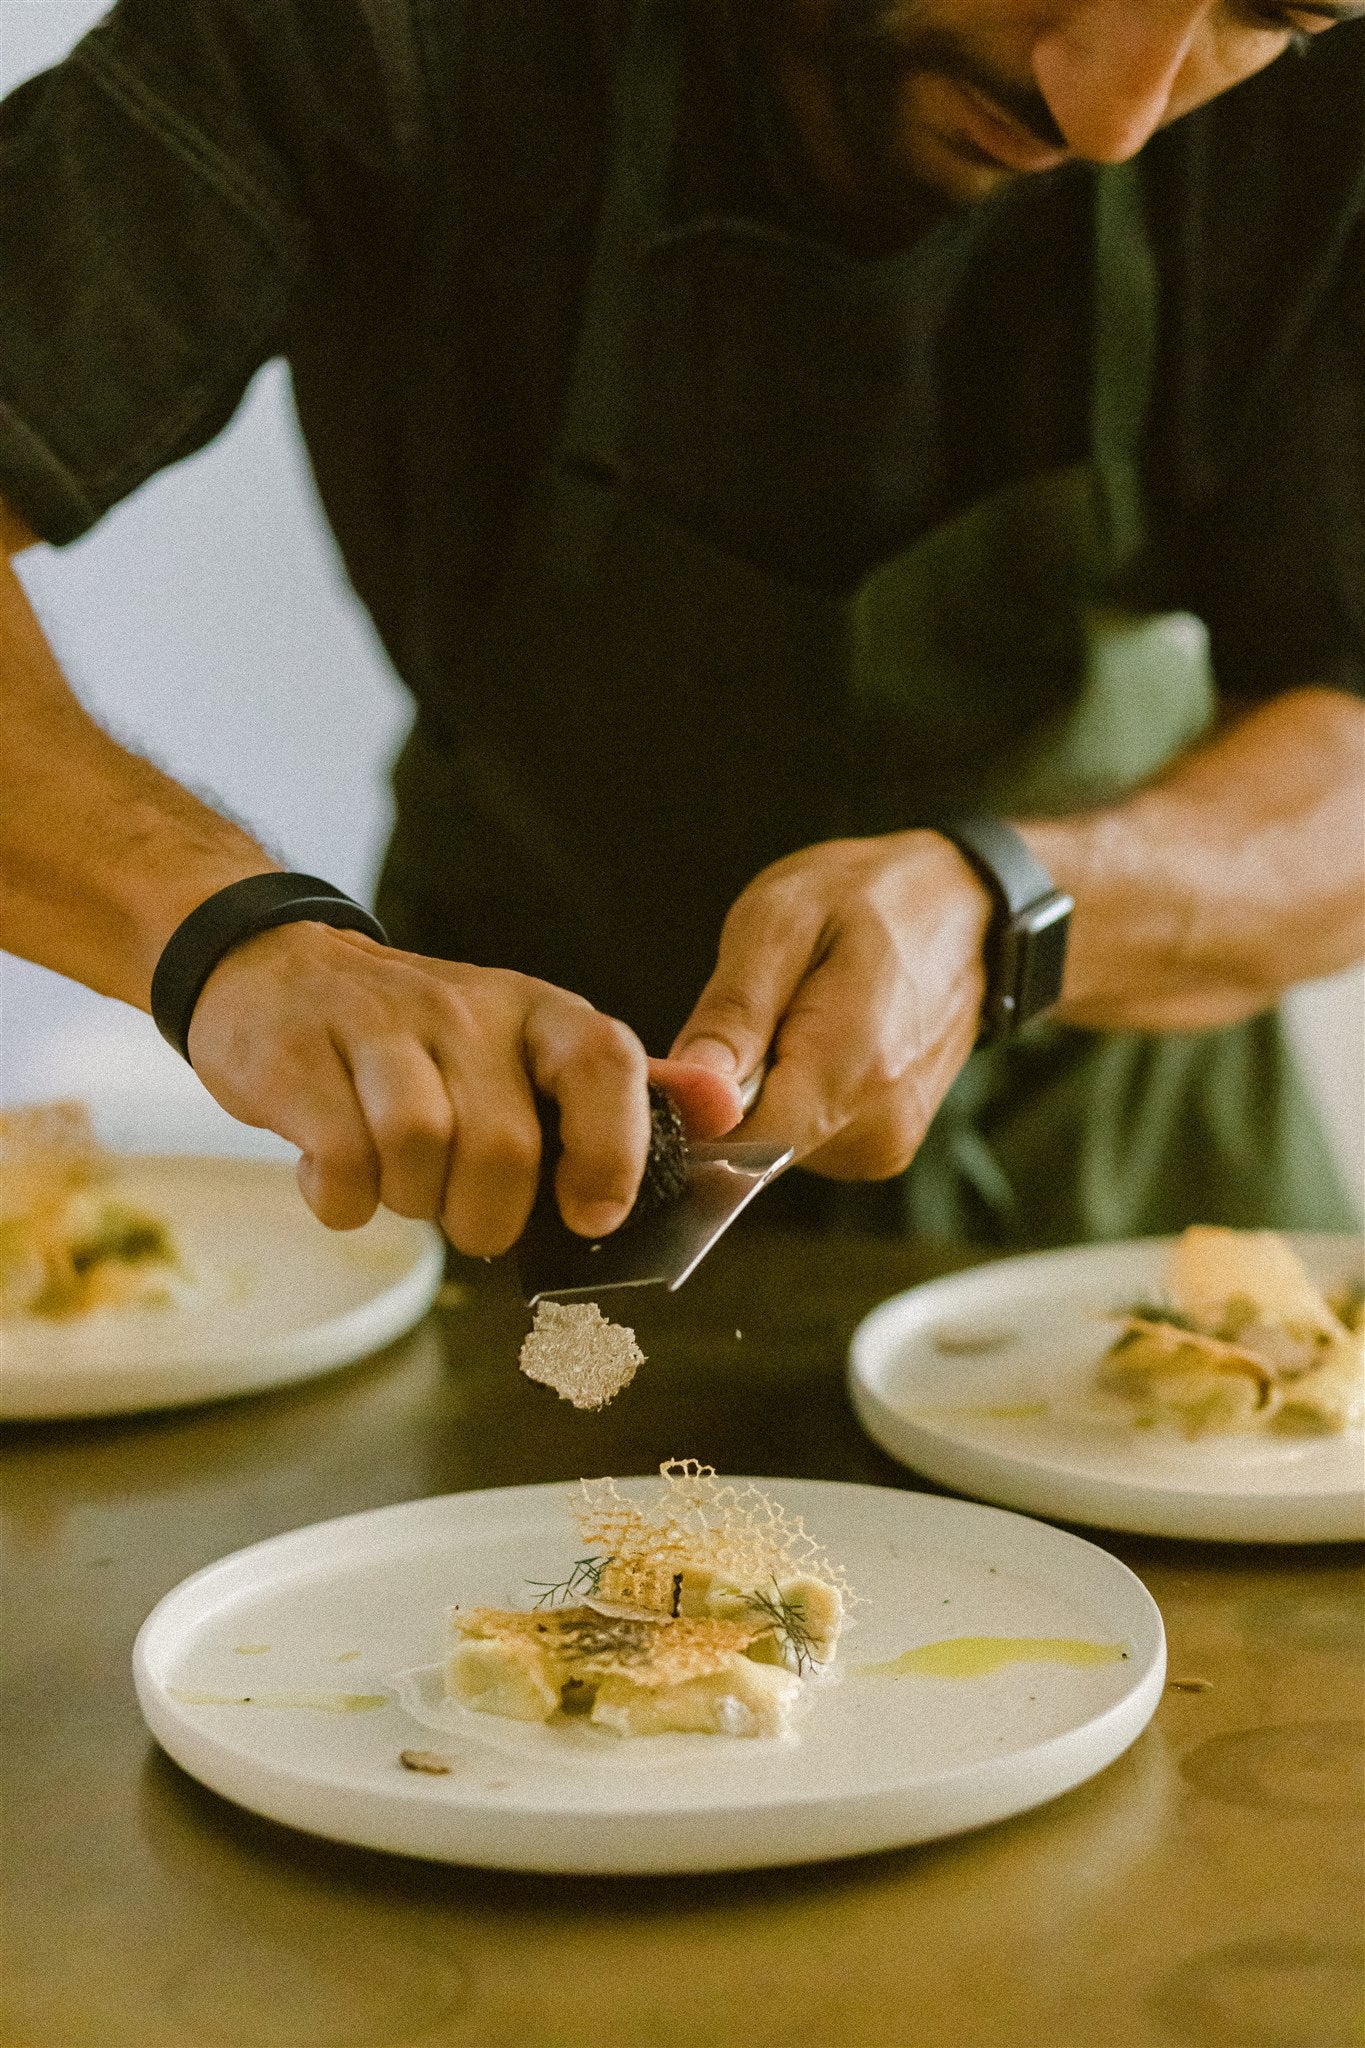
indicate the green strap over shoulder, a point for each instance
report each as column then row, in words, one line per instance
column 1127, row 316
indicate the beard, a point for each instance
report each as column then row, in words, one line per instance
column 869, row 54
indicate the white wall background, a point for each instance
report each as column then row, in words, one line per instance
column 208, row 623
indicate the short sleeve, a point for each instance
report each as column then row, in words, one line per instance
column 163, row 192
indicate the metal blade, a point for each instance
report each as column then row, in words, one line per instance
column 661, row 1248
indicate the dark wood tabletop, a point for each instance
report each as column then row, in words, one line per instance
column 1204, row 1890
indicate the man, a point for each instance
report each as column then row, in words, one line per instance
column 768, row 438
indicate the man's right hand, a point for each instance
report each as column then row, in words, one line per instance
column 402, row 1080
column 413, row 1082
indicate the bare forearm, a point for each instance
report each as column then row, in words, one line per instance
column 101, row 854
column 1241, row 871
column 405, row 1080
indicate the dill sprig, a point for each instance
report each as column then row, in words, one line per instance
column 584, row 1578
column 789, row 1621
column 1160, row 1312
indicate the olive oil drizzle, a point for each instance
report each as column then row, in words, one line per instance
column 979, row 1656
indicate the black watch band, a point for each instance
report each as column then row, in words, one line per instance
column 223, row 920
column 1026, row 938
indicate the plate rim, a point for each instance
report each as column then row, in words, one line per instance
column 686, row 1838
column 1185, row 1513
column 89, row 1391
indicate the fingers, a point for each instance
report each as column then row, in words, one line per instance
column 842, row 1054
column 768, row 944
column 493, row 1159
column 868, row 991
column 407, row 1111
column 414, row 1082
column 451, row 1117
column 447, row 1133
column 708, row 1102
column 595, row 1070
column 339, row 1186
column 338, row 1170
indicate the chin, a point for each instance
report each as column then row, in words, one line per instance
column 954, row 177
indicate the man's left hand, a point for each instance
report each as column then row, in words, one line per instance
column 855, row 969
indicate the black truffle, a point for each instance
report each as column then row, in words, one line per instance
column 666, row 1168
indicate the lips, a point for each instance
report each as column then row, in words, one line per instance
column 993, row 135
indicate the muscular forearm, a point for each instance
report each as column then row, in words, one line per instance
column 1241, row 871
column 101, row 855
column 854, row 968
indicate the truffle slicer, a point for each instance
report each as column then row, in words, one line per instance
column 658, row 1249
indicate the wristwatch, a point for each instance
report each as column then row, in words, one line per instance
column 1027, row 934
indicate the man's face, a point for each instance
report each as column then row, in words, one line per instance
column 917, row 104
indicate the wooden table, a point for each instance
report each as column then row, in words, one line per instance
column 1205, row 1890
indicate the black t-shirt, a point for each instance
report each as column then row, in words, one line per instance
column 398, row 196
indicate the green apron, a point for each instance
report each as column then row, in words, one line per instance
column 646, row 719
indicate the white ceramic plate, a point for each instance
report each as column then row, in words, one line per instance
column 278, row 1298
column 983, row 1381
column 352, row 1614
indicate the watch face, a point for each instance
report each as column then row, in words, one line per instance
column 1040, row 944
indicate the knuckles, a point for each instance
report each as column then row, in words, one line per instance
column 406, row 1131
column 500, row 1154
column 608, row 1049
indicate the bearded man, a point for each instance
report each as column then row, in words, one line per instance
column 868, row 497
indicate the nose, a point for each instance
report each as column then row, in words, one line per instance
column 1108, row 72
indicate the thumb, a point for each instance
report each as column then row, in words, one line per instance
column 716, row 1055
column 737, row 1015
column 707, row 1100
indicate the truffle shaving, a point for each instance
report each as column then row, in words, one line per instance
column 574, row 1349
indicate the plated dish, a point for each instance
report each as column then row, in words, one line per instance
column 1072, row 1384
column 1242, row 1341
column 73, row 1241
column 701, row 1609
column 989, row 1664
column 180, row 1279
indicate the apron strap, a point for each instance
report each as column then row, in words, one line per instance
column 1127, row 301
column 645, row 106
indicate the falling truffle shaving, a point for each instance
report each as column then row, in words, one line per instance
column 574, row 1349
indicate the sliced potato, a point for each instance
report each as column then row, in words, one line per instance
column 506, row 1675
column 744, row 1699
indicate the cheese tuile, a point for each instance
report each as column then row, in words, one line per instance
column 700, row 1527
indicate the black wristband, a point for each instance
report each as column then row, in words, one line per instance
column 1026, row 939
column 223, row 920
